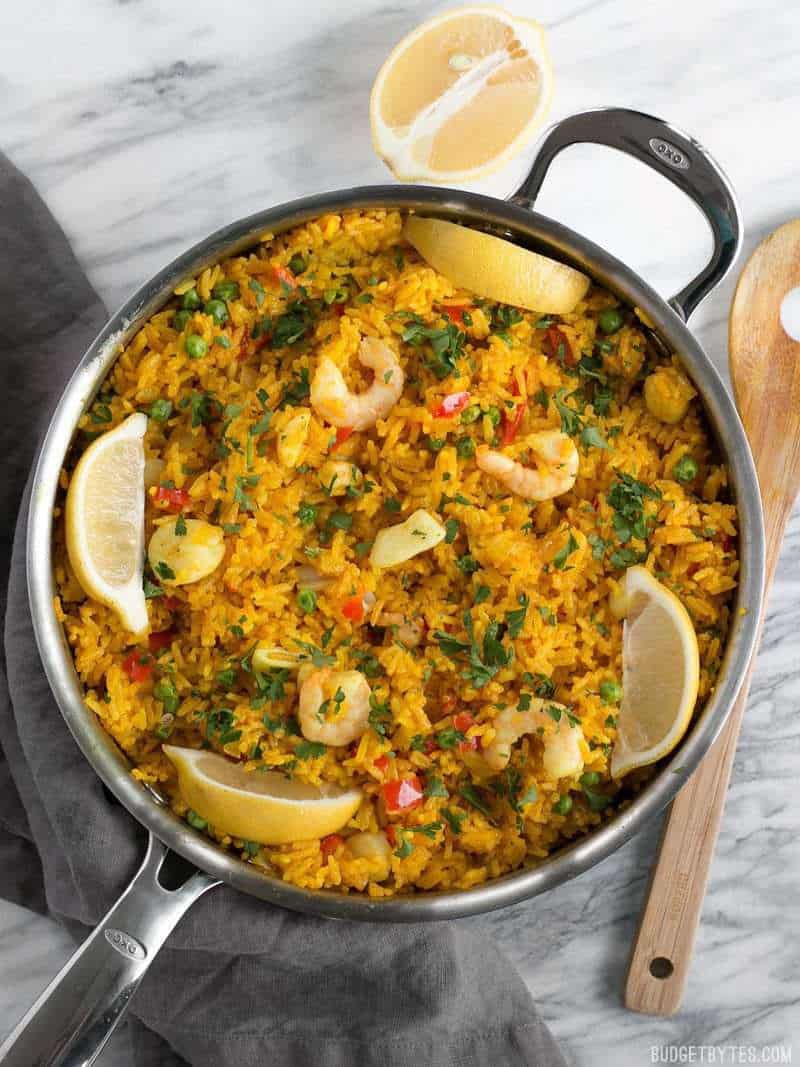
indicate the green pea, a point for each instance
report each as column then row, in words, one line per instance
column 226, row 291
column 470, row 414
column 166, row 692
column 465, row 448
column 307, row 600
column 563, row 806
column 589, row 779
column 196, row 347
column 307, row 514
column 180, row 320
column 610, row 320
column 495, row 415
column 435, row 444
column 685, row 470
column 160, row 410
column 218, row 311
column 298, row 264
column 196, row 821
column 610, row 692
column 191, row 300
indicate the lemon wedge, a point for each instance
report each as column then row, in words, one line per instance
column 494, row 268
column 660, row 672
column 461, row 95
column 105, row 521
column 259, row 806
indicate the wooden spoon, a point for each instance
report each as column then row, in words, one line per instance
column 765, row 370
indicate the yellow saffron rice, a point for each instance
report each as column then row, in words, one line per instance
column 539, row 576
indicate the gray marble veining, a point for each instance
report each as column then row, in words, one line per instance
column 146, row 125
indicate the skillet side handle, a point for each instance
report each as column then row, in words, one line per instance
column 76, row 1014
column 671, row 153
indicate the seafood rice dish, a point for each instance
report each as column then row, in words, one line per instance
column 385, row 521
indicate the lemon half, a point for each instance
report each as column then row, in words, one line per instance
column 105, row 521
column 461, row 95
column 660, row 672
column 262, row 806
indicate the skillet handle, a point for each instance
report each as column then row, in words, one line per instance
column 669, row 152
column 76, row 1014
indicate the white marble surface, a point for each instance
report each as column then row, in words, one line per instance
column 147, row 124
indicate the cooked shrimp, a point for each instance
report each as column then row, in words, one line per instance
column 334, row 706
column 408, row 632
column 553, row 475
column 562, row 751
column 331, row 398
column 374, row 847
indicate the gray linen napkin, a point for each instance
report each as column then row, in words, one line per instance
column 240, row 982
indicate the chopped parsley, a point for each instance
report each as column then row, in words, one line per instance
column 454, row 819
column 484, row 661
column 450, row 737
column 627, row 497
column 316, row 655
column 447, row 345
column 571, row 422
column 310, row 750
column 380, row 715
column 435, row 787
column 474, row 799
column 561, row 557
column 592, row 438
column 227, row 677
column 297, row 391
column 240, row 497
column 451, row 528
column 515, row 620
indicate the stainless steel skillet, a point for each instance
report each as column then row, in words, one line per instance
column 75, row 1015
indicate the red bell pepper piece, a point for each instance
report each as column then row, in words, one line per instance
column 353, row 608
column 160, row 639
column 171, row 499
column 511, row 423
column 391, row 835
column 341, row 435
column 283, row 274
column 455, row 312
column 173, row 603
column 137, row 666
column 403, row 794
column 462, row 722
column 381, row 763
column 555, row 338
column 451, row 405
column 329, row 844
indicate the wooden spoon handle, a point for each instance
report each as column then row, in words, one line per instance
column 662, row 950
